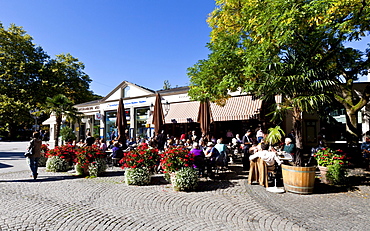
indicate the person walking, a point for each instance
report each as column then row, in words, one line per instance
column 33, row 160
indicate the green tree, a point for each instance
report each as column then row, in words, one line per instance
column 28, row 76
column 60, row 106
column 20, row 114
column 66, row 76
column 166, row 85
column 21, row 68
column 252, row 43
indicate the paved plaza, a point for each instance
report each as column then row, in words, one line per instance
column 62, row 201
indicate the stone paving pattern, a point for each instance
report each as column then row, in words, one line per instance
column 59, row 201
column 62, row 201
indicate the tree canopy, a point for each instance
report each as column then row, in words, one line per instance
column 296, row 48
column 28, row 76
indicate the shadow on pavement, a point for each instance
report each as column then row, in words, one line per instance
column 41, row 179
column 359, row 178
column 12, row 155
column 5, row 165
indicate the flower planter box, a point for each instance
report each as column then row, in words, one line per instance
column 299, row 180
column 323, row 172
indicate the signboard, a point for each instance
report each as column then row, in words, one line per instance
column 98, row 116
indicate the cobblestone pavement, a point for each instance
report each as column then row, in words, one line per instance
column 61, row 201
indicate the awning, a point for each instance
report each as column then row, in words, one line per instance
column 182, row 112
column 236, row 108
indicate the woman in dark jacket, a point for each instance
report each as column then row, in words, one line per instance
column 33, row 160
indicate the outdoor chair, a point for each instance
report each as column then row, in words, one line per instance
column 258, row 172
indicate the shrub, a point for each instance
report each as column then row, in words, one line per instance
column 186, row 179
column 97, row 167
column 57, row 164
column 175, row 158
column 141, row 157
column 137, row 176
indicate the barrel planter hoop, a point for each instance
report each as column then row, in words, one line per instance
column 298, row 179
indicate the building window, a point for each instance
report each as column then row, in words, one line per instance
column 141, row 120
column 126, row 92
column 110, row 123
column 311, row 136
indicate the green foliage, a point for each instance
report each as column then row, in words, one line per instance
column 275, row 135
column 166, row 85
column 56, row 164
column 296, row 49
column 28, row 76
column 67, row 133
column 337, row 174
column 137, row 176
column 97, row 167
column 59, row 105
column 186, row 179
column 79, row 169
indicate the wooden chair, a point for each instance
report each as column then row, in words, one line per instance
column 258, row 172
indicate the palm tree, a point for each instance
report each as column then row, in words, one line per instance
column 60, row 105
column 303, row 89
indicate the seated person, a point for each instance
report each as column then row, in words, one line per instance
column 111, row 145
column 269, row 157
column 117, row 152
column 222, row 149
column 289, row 147
column 198, row 155
column 212, row 154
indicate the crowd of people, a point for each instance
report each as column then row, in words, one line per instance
column 208, row 152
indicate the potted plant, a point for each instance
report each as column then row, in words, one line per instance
column 177, row 164
column 296, row 179
column 90, row 160
column 137, row 176
column 59, row 158
column 332, row 165
column 274, row 135
column 43, row 158
column 139, row 164
column 186, row 179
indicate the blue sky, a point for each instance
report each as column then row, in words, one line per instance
column 142, row 41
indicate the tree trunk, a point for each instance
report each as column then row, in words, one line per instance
column 57, row 130
column 351, row 127
column 297, row 126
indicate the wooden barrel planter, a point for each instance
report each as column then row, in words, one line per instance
column 298, row 179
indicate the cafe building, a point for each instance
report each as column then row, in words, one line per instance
column 240, row 113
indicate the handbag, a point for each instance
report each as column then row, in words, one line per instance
column 29, row 152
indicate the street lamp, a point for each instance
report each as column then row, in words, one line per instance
column 166, row 106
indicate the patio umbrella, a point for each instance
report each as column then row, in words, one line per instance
column 121, row 122
column 158, row 116
column 205, row 117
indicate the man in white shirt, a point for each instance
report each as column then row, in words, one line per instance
column 269, row 157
